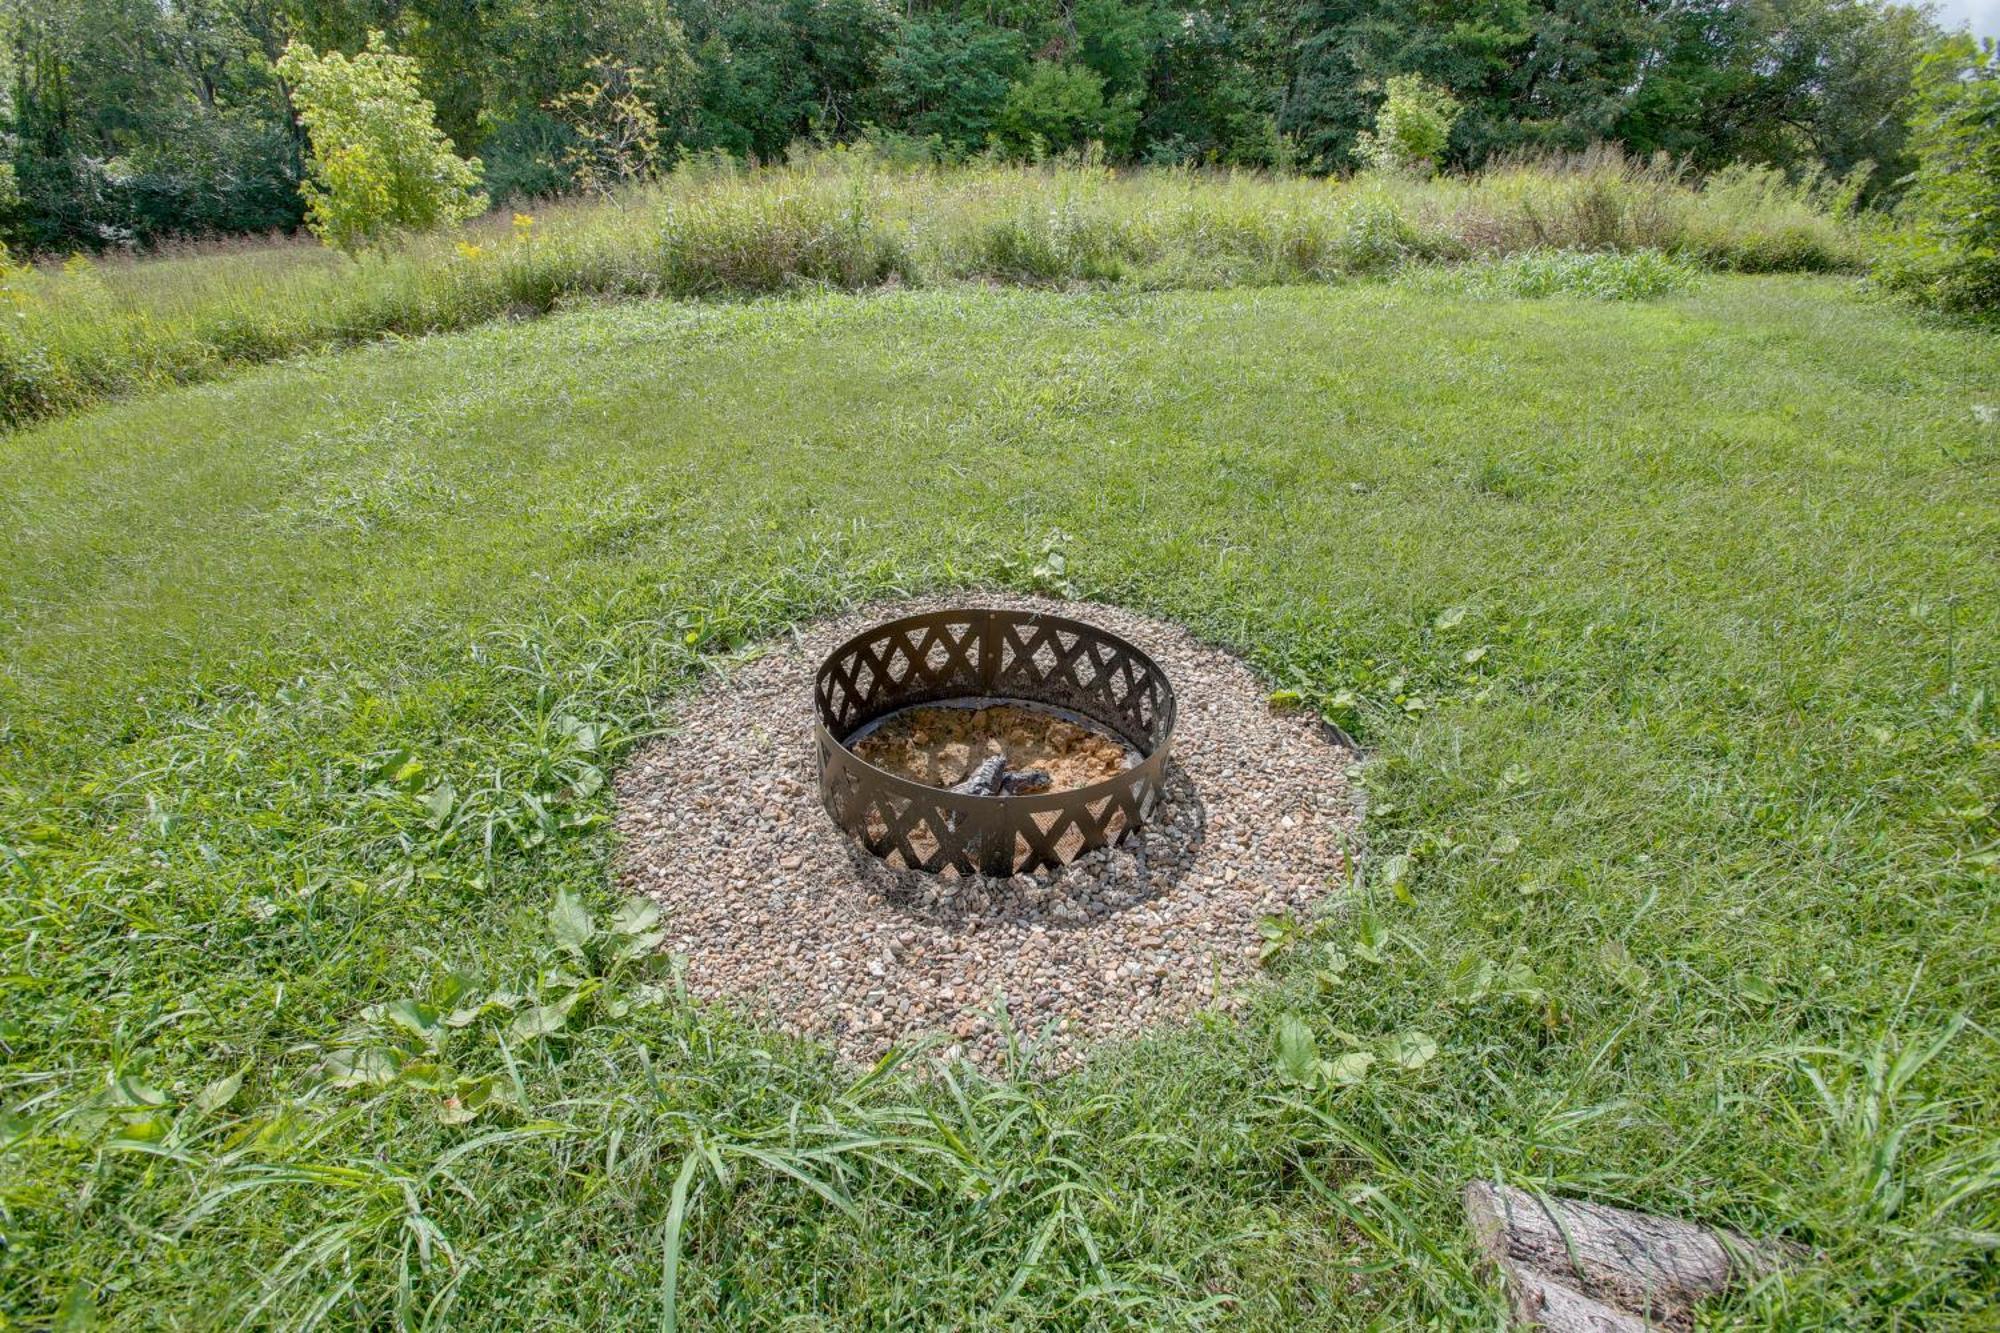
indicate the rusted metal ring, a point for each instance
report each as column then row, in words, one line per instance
column 983, row 653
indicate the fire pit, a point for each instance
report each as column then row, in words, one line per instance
column 777, row 907
column 992, row 820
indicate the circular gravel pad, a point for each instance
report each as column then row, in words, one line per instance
column 720, row 822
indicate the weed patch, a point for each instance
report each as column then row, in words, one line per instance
column 845, row 220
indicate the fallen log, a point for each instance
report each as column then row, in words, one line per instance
column 1577, row 1267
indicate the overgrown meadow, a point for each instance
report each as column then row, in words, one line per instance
column 855, row 219
column 1669, row 626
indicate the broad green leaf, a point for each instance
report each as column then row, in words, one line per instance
column 368, row 1067
column 1371, row 937
column 1347, row 1069
column 1472, row 979
column 1298, row 1052
column 471, row 1097
column 1411, row 1049
column 1450, row 617
column 570, row 923
column 412, row 1016
column 1518, row 980
column 1395, row 870
column 638, row 946
column 1618, row 963
column 648, row 995
column 542, row 1020
column 78, row 1311
column 468, row 1014
column 147, row 1129
column 219, row 1093
column 1757, row 990
column 441, row 800
column 426, row 1074
column 636, row 916
column 131, row 1090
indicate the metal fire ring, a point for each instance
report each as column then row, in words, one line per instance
column 1006, row 656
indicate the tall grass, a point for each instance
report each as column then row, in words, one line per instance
column 842, row 218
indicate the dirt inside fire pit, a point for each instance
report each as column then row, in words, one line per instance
column 941, row 745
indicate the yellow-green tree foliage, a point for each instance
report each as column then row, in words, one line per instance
column 1412, row 128
column 380, row 166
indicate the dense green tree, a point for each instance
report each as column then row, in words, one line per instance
column 1119, row 41
column 1211, row 96
column 1952, row 253
column 948, row 76
column 774, row 71
column 1057, row 107
column 130, row 120
column 1566, row 84
column 1790, row 82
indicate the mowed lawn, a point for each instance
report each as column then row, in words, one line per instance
column 1673, row 630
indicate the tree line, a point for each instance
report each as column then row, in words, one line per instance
column 131, row 121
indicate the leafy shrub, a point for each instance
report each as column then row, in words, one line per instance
column 1950, row 256
column 1058, row 107
column 1755, row 219
column 380, row 165
column 1411, row 129
column 614, row 123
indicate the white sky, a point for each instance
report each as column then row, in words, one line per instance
column 1984, row 15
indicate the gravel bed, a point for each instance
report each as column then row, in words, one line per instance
column 720, row 823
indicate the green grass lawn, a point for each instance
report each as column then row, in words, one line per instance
column 1671, row 628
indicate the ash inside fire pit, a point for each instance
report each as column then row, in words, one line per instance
column 947, row 746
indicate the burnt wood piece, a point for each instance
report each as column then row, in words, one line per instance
column 1573, row 1266
column 1025, row 781
column 994, row 778
column 985, row 780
